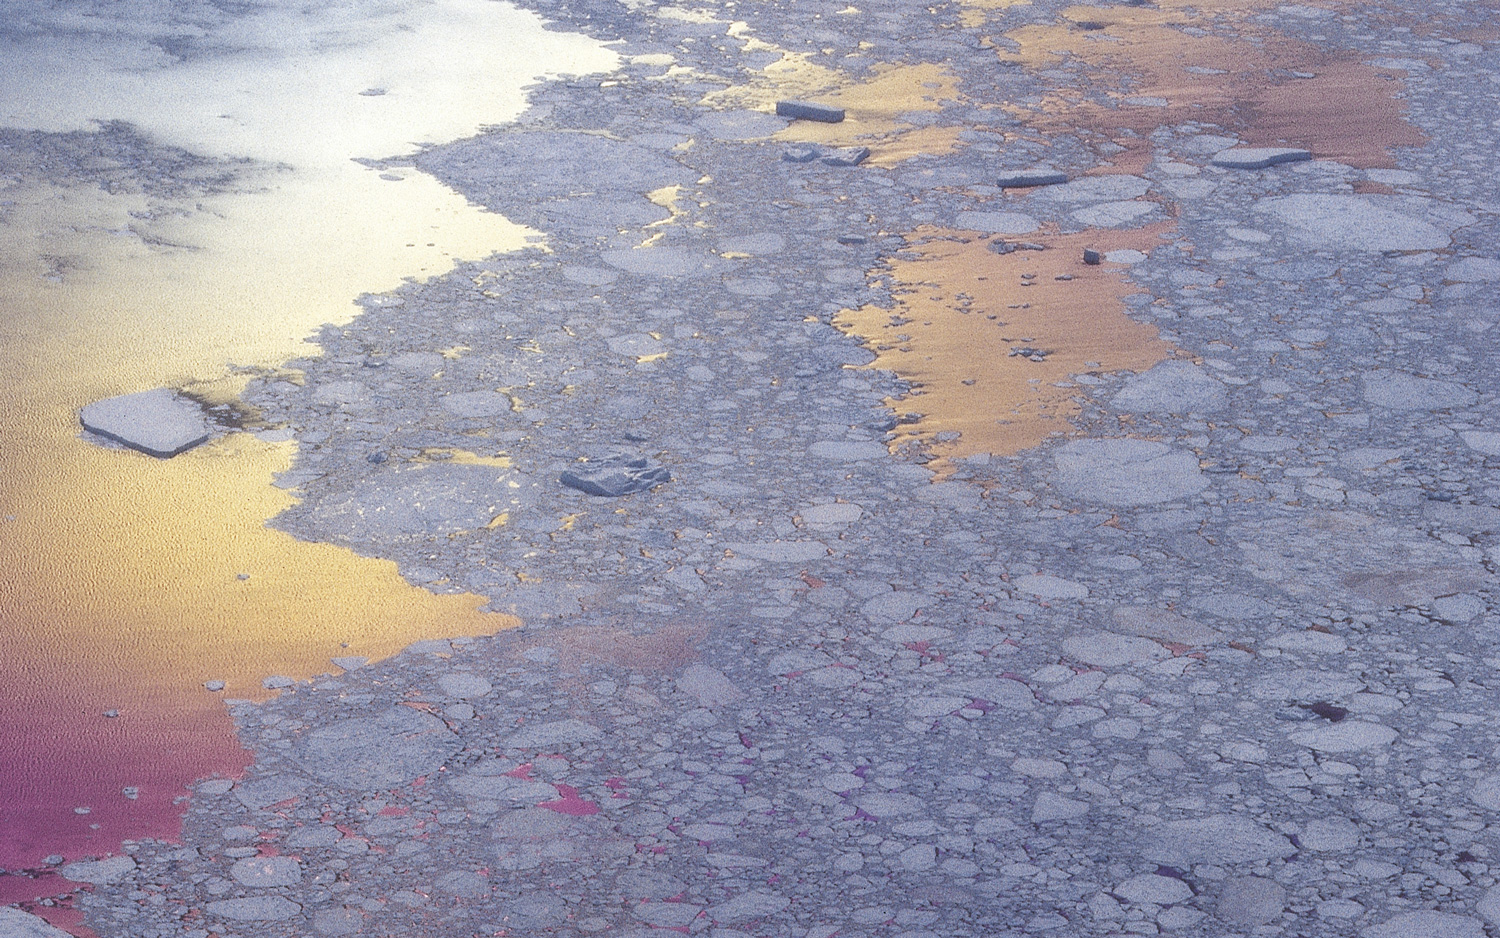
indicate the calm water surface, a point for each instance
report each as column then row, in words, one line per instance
column 216, row 232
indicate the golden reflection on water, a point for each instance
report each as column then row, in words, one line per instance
column 874, row 110
column 669, row 198
column 961, row 312
column 264, row 269
column 874, row 105
column 1209, row 61
column 977, row 12
column 126, row 581
column 462, row 457
column 158, row 569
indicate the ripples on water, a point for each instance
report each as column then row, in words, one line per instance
column 179, row 195
column 216, row 216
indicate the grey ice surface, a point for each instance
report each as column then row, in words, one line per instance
column 740, row 125
column 254, row 909
column 99, row 872
column 396, row 500
column 15, row 923
column 156, row 422
column 1365, row 222
column 1094, row 190
column 389, row 750
column 1174, row 387
column 1217, row 659
column 1127, row 472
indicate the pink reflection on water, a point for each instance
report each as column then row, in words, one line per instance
column 67, row 769
column 569, row 802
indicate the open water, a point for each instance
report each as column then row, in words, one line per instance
column 181, row 205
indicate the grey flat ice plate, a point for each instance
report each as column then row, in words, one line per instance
column 157, row 422
column 1258, row 157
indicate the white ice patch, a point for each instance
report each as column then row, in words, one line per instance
column 1372, row 223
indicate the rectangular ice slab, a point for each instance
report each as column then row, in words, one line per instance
column 157, row 422
column 1026, row 178
column 1258, row 157
column 809, row 111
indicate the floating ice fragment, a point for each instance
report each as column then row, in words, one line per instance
column 156, row 422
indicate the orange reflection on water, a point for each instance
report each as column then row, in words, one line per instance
column 963, row 310
column 874, row 109
column 977, row 12
column 876, row 105
column 125, row 581
column 1208, row 61
column 136, row 601
column 119, row 585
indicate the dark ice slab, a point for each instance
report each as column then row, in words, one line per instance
column 1027, row 178
column 615, row 476
column 809, row 111
column 847, row 156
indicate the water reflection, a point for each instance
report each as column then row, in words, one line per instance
column 991, row 342
column 219, row 224
column 121, row 588
column 1214, row 62
column 879, row 104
